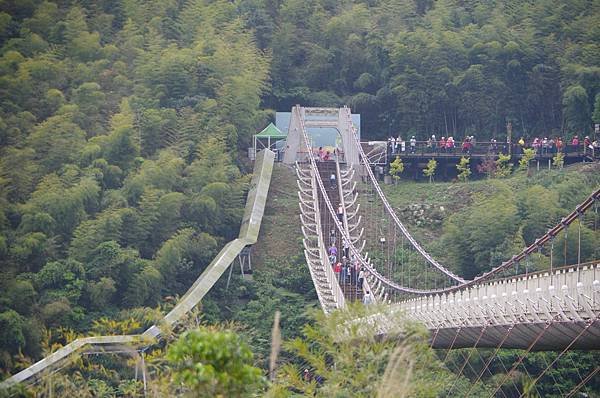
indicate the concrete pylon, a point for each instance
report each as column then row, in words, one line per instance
column 336, row 118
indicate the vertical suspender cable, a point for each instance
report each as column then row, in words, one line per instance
column 579, row 240
column 565, row 249
column 551, row 261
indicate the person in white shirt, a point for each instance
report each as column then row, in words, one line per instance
column 346, row 246
column 367, row 298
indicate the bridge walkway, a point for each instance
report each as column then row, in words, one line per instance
column 326, row 169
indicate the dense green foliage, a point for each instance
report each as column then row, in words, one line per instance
column 503, row 220
column 119, row 177
column 450, row 67
column 214, row 364
column 338, row 356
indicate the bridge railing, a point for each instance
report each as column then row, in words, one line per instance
column 571, row 292
column 480, row 148
column 335, row 287
column 556, row 270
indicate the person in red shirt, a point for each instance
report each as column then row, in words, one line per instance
column 466, row 146
column 337, row 268
column 443, row 144
column 559, row 144
column 450, row 144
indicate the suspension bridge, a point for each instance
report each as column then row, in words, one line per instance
column 555, row 309
column 342, row 205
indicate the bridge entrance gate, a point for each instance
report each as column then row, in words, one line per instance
column 324, row 118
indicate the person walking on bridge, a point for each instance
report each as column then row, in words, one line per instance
column 337, row 269
column 332, row 253
column 442, row 144
column 340, row 213
column 586, row 145
column 450, row 145
column 559, row 144
column 367, row 298
column 346, row 247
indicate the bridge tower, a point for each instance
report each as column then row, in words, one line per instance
column 314, row 118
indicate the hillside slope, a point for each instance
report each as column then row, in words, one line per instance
column 449, row 219
column 280, row 235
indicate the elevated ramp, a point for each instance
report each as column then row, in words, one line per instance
column 253, row 213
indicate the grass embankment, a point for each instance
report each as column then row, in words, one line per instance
column 280, row 233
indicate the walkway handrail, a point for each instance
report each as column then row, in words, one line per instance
column 253, row 213
column 480, row 148
column 333, row 282
column 365, row 284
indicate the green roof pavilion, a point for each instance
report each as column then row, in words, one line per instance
column 268, row 138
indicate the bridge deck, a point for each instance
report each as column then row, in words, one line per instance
column 567, row 299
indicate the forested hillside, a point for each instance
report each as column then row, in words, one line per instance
column 119, row 177
column 453, row 67
column 123, row 126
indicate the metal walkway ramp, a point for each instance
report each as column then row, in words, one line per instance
column 253, row 213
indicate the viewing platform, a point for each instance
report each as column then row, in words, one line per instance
column 380, row 152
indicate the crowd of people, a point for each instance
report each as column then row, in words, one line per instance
column 557, row 144
column 542, row 146
column 324, row 155
column 443, row 145
column 346, row 268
